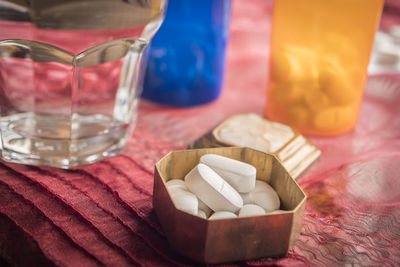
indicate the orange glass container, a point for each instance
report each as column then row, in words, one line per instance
column 319, row 57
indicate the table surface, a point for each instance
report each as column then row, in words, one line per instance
column 101, row 214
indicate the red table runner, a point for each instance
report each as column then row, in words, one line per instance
column 101, row 214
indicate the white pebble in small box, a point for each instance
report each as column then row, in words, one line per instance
column 227, row 204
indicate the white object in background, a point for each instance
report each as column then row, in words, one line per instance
column 253, row 131
column 184, row 200
column 251, row 210
column 214, row 191
column 222, row 215
column 385, row 56
column 239, row 175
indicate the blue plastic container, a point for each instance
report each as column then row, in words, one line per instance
column 187, row 56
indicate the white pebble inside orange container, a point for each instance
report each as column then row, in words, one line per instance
column 222, row 215
column 264, row 196
column 238, row 174
column 183, row 199
column 251, row 210
column 214, row 191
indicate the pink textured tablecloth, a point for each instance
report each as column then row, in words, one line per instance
column 102, row 214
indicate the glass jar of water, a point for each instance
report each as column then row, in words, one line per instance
column 70, row 76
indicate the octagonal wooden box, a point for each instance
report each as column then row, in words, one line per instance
column 218, row 241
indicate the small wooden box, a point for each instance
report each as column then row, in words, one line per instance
column 297, row 154
column 245, row 238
